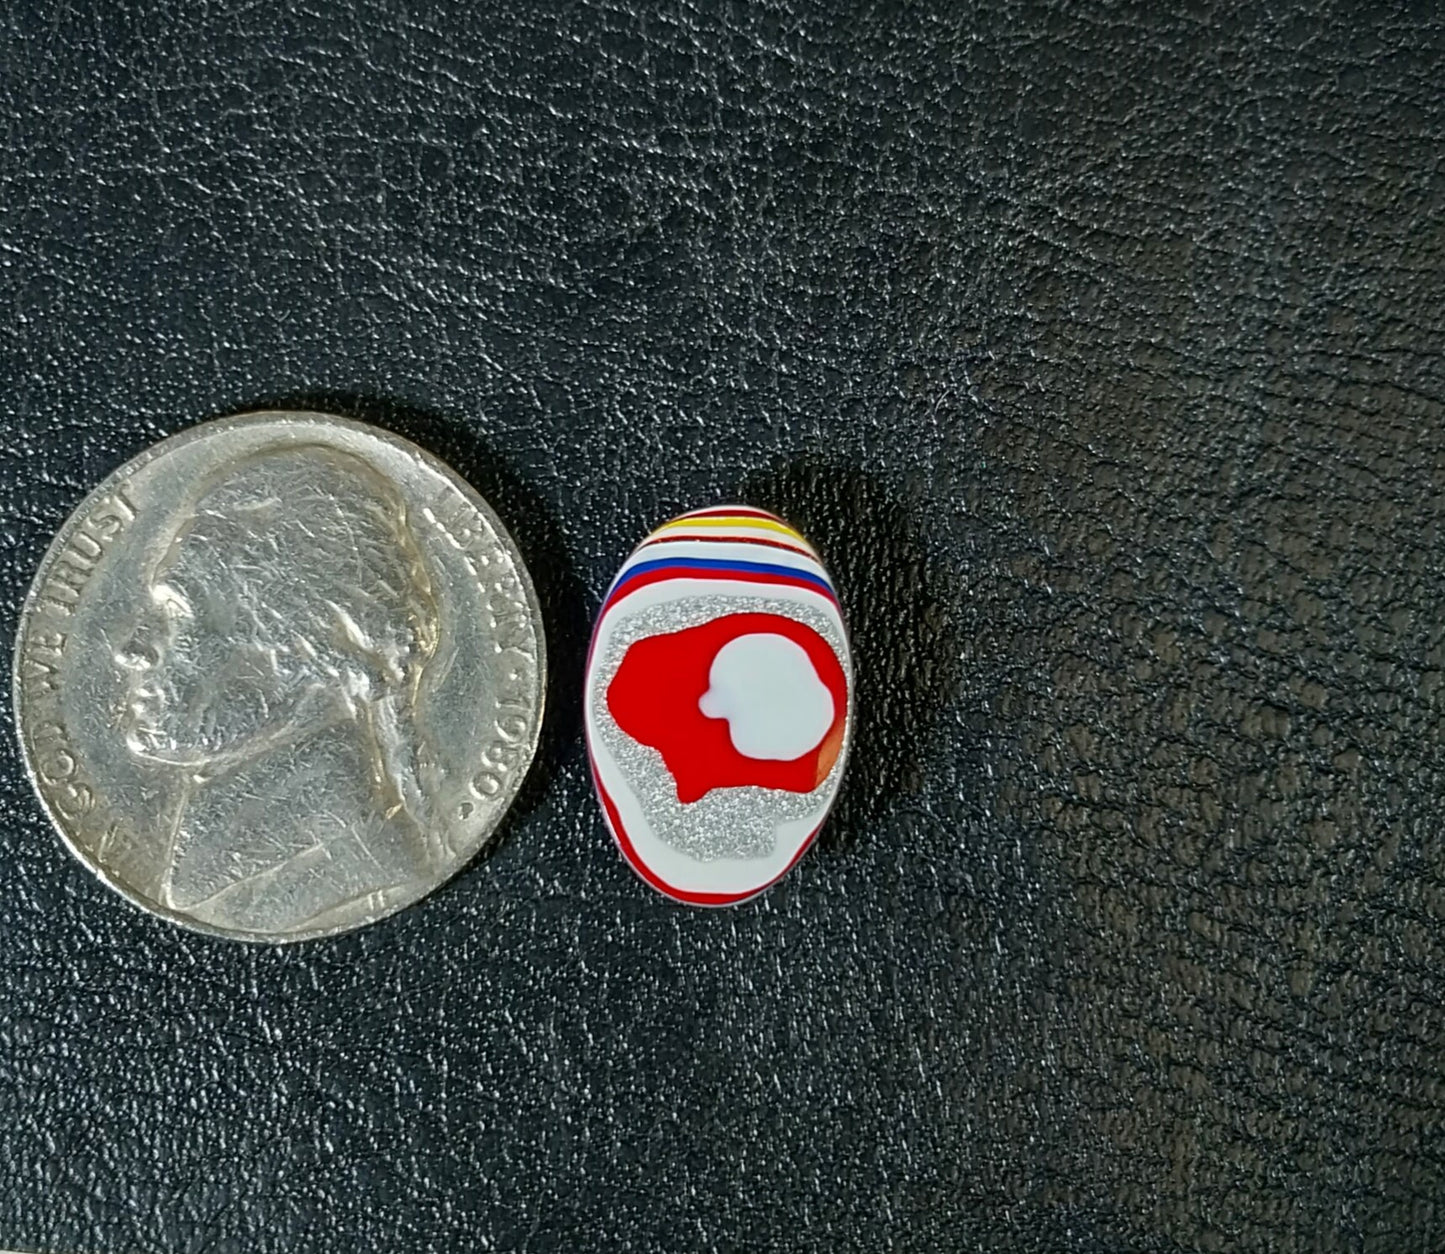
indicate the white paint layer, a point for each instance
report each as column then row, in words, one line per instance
column 766, row 688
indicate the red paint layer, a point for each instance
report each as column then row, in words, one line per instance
column 654, row 699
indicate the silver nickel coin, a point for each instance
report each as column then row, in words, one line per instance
column 279, row 676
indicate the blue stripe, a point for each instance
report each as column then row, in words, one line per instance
column 704, row 563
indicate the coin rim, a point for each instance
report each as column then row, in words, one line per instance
column 127, row 471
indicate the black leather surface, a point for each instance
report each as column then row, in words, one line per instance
column 1099, row 349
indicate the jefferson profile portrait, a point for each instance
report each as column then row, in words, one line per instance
column 273, row 676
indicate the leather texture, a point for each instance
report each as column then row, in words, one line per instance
column 1098, row 347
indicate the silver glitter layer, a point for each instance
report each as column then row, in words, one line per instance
column 727, row 822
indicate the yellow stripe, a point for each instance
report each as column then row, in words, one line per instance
column 731, row 520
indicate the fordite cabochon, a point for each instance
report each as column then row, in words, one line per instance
column 718, row 703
